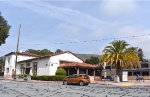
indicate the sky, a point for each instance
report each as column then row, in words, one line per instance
column 80, row 26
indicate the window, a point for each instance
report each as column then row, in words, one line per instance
column 145, row 73
column 34, row 70
column 80, row 76
column 7, row 70
column 108, row 67
column 144, row 65
column 22, row 68
column 129, row 73
column 8, row 60
column 73, row 76
column 28, row 65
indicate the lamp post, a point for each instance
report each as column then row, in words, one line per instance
column 16, row 54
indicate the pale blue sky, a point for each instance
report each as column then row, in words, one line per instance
column 75, row 24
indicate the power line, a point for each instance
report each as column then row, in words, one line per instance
column 76, row 42
column 87, row 41
column 104, row 39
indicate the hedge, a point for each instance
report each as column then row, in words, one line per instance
column 22, row 75
column 48, row 78
column 1, row 73
column 61, row 71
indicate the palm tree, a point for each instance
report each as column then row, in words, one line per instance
column 119, row 56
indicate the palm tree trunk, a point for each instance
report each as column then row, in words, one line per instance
column 119, row 71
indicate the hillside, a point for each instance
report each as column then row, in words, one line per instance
column 86, row 56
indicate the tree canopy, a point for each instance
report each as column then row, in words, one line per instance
column 92, row 60
column 61, row 71
column 139, row 51
column 120, row 56
column 43, row 52
column 140, row 54
column 1, row 63
column 39, row 52
column 58, row 51
column 4, row 30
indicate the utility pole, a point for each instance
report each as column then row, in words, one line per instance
column 17, row 51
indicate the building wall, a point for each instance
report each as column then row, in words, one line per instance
column 42, row 67
column 10, row 63
column 18, row 67
column 144, row 71
column 55, row 61
column 49, row 65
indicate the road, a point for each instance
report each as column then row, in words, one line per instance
column 10, row 88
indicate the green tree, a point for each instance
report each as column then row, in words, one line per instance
column 58, row 51
column 4, row 30
column 92, row 60
column 139, row 52
column 60, row 71
column 45, row 52
column 39, row 52
column 1, row 66
column 118, row 55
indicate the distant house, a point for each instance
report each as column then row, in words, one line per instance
column 143, row 70
column 10, row 60
column 45, row 65
column 81, row 68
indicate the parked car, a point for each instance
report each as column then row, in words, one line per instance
column 81, row 79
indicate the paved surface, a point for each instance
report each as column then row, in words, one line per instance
column 129, row 83
column 20, row 88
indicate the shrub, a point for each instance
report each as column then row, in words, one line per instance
column 1, row 73
column 48, row 78
column 61, row 71
column 22, row 75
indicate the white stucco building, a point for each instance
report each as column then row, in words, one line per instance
column 10, row 60
column 45, row 65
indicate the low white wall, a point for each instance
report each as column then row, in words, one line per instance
column 91, row 78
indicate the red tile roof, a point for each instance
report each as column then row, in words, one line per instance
column 46, row 56
column 67, row 61
column 24, row 54
column 28, row 54
column 76, row 64
column 49, row 55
